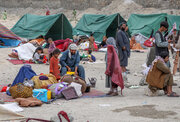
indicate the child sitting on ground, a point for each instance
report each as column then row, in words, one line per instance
column 54, row 61
column 38, row 56
column 52, row 47
column 91, row 57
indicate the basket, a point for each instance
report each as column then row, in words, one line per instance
column 70, row 93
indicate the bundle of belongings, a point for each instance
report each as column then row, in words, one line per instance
column 30, row 89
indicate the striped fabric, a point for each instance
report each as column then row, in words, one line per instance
column 6, row 33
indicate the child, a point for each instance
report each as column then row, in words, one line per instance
column 54, row 61
column 52, row 47
column 91, row 57
column 38, row 56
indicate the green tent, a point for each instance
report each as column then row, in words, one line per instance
column 100, row 25
column 55, row 26
column 173, row 19
column 144, row 24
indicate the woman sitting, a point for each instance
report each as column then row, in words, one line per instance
column 160, row 77
column 134, row 45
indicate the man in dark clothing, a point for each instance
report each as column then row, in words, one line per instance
column 123, row 45
column 161, row 44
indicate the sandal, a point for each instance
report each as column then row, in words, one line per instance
column 173, row 94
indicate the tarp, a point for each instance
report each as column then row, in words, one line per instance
column 55, row 26
column 100, row 25
column 10, row 42
column 144, row 24
column 6, row 33
column 173, row 19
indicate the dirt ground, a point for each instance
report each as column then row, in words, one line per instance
column 133, row 106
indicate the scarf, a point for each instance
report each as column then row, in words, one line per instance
column 72, row 46
column 111, row 41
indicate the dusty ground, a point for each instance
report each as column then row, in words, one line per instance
column 133, row 106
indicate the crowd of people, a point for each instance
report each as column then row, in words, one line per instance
column 118, row 53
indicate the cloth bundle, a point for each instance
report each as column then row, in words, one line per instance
column 28, row 102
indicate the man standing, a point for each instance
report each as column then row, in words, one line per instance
column 70, row 62
column 123, row 45
column 161, row 44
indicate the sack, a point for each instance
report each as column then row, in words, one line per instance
column 77, row 88
column 29, row 83
column 67, row 78
column 54, row 90
column 79, row 80
column 20, row 91
column 69, row 93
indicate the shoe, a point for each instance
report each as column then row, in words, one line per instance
column 109, row 93
column 114, row 94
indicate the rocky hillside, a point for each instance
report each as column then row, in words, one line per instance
column 84, row 4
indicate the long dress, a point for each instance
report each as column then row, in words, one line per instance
column 123, row 41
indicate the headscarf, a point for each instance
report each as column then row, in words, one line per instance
column 155, row 60
column 72, row 46
column 111, row 41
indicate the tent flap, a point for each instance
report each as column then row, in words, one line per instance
column 100, row 25
column 144, row 24
column 31, row 26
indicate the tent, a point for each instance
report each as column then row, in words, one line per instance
column 173, row 19
column 8, row 37
column 100, row 25
column 55, row 26
column 144, row 24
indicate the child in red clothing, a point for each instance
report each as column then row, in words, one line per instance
column 54, row 61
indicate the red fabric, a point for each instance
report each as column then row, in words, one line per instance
column 113, row 67
column 64, row 114
column 44, row 59
column 15, row 62
column 148, row 43
column 4, row 89
column 62, row 44
column 47, row 12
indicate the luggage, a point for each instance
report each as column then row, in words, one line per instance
column 20, row 91
column 40, row 94
column 69, row 93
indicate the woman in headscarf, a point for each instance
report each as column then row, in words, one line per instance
column 113, row 69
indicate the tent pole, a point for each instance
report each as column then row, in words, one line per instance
column 118, row 20
column 62, row 28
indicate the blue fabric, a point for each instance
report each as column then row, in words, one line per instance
column 93, row 58
column 65, row 60
column 24, row 72
column 10, row 42
column 81, row 71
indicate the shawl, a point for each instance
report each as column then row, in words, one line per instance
column 113, row 67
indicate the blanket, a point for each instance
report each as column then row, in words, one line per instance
column 25, row 51
column 24, row 72
column 113, row 67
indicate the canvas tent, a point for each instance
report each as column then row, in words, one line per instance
column 8, row 37
column 173, row 19
column 55, row 26
column 144, row 24
column 100, row 25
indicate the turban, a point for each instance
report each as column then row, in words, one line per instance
column 73, row 46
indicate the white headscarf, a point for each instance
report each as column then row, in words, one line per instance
column 72, row 46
